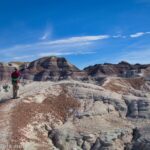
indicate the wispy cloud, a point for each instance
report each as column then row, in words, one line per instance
column 119, row 36
column 67, row 46
column 62, row 43
column 45, row 36
column 59, row 53
column 138, row 34
column 22, row 57
column 79, row 39
column 47, row 33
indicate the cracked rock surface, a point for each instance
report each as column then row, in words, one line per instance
column 74, row 115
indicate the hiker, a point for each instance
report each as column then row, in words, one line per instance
column 15, row 76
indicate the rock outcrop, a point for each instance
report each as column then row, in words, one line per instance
column 52, row 68
column 141, row 138
column 138, row 107
column 5, row 72
column 122, row 69
column 72, row 114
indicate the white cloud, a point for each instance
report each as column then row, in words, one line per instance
column 138, row 34
column 62, row 43
column 59, row 53
column 53, row 53
column 66, row 46
column 78, row 39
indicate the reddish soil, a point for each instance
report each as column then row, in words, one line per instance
column 24, row 113
column 136, row 83
column 123, row 85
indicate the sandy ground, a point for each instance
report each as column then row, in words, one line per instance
column 6, row 108
column 15, row 113
column 22, row 120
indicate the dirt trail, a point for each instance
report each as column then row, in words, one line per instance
column 6, row 106
column 5, row 130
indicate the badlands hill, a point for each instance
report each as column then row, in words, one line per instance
column 123, row 69
column 100, row 108
column 51, row 68
column 58, row 68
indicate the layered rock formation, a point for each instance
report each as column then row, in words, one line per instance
column 52, row 68
column 70, row 115
column 58, row 68
column 5, row 72
column 122, row 69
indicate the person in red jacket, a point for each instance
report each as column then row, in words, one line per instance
column 15, row 76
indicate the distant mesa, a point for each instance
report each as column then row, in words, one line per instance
column 58, row 68
column 52, row 68
column 122, row 69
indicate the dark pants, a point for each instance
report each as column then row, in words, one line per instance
column 15, row 90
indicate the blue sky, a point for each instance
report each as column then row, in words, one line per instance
column 86, row 32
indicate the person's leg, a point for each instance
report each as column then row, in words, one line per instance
column 17, row 89
column 14, row 91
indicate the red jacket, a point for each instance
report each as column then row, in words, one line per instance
column 15, row 74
